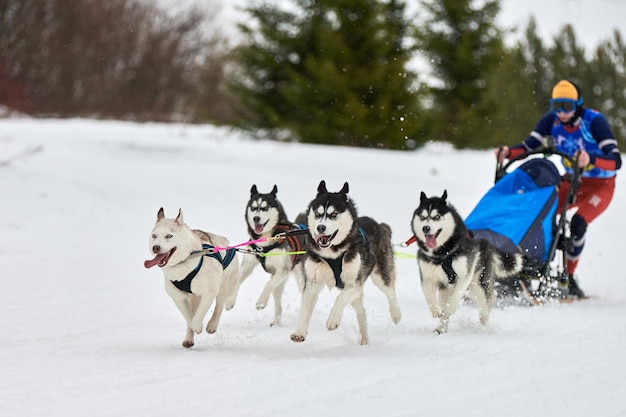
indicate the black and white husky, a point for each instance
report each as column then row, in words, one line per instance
column 452, row 264
column 195, row 274
column 342, row 251
column 266, row 218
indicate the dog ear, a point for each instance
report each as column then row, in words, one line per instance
column 253, row 190
column 423, row 196
column 345, row 188
column 445, row 195
column 160, row 214
column 274, row 191
column 321, row 189
column 179, row 218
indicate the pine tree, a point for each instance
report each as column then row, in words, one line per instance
column 464, row 46
column 329, row 71
column 604, row 88
column 517, row 90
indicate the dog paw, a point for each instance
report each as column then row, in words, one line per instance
column 211, row 328
column 196, row 326
column 262, row 301
column 396, row 315
column 441, row 330
column 276, row 323
column 332, row 323
column 297, row 337
column 188, row 343
column 364, row 341
column 334, row 318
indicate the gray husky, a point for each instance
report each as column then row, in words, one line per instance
column 196, row 273
column 266, row 218
column 342, row 251
column 452, row 264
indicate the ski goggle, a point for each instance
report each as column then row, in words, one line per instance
column 562, row 105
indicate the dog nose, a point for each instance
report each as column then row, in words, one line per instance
column 321, row 228
column 256, row 219
column 156, row 249
column 426, row 229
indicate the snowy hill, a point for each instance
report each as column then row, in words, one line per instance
column 87, row 330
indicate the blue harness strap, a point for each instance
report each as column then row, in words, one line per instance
column 185, row 284
column 226, row 260
column 365, row 242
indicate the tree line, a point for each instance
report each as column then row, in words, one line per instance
column 337, row 72
column 122, row 59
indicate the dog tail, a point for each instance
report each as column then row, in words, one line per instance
column 509, row 265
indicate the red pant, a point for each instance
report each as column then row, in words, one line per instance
column 592, row 198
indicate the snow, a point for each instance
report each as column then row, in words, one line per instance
column 87, row 330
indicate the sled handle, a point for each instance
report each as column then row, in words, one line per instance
column 502, row 168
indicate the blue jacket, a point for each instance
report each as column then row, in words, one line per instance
column 590, row 131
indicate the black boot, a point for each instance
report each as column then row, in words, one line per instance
column 574, row 289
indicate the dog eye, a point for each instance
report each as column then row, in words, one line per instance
column 437, row 217
column 333, row 215
column 264, row 208
column 153, row 236
column 169, row 236
column 422, row 218
column 318, row 215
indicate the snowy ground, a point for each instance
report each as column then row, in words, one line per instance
column 87, row 330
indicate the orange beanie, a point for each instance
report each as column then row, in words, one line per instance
column 565, row 89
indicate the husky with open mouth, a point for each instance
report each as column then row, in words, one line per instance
column 266, row 218
column 452, row 264
column 344, row 249
column 198, row 270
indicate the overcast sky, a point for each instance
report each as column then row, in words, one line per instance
column 593, row 20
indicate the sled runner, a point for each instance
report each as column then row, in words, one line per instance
column 520, row 213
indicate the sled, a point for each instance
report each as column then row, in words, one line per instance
column 520, row 213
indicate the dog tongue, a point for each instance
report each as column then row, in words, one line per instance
column 157, row 259
column 431, row 241
column 258, row 228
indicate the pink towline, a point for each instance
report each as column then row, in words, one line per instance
column 250, row 242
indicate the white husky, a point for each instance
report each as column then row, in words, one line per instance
column 195, row 275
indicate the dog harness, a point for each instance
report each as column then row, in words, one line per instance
column 337, row 264
column 446, row 265
column 185, row 284
column 293, row 240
